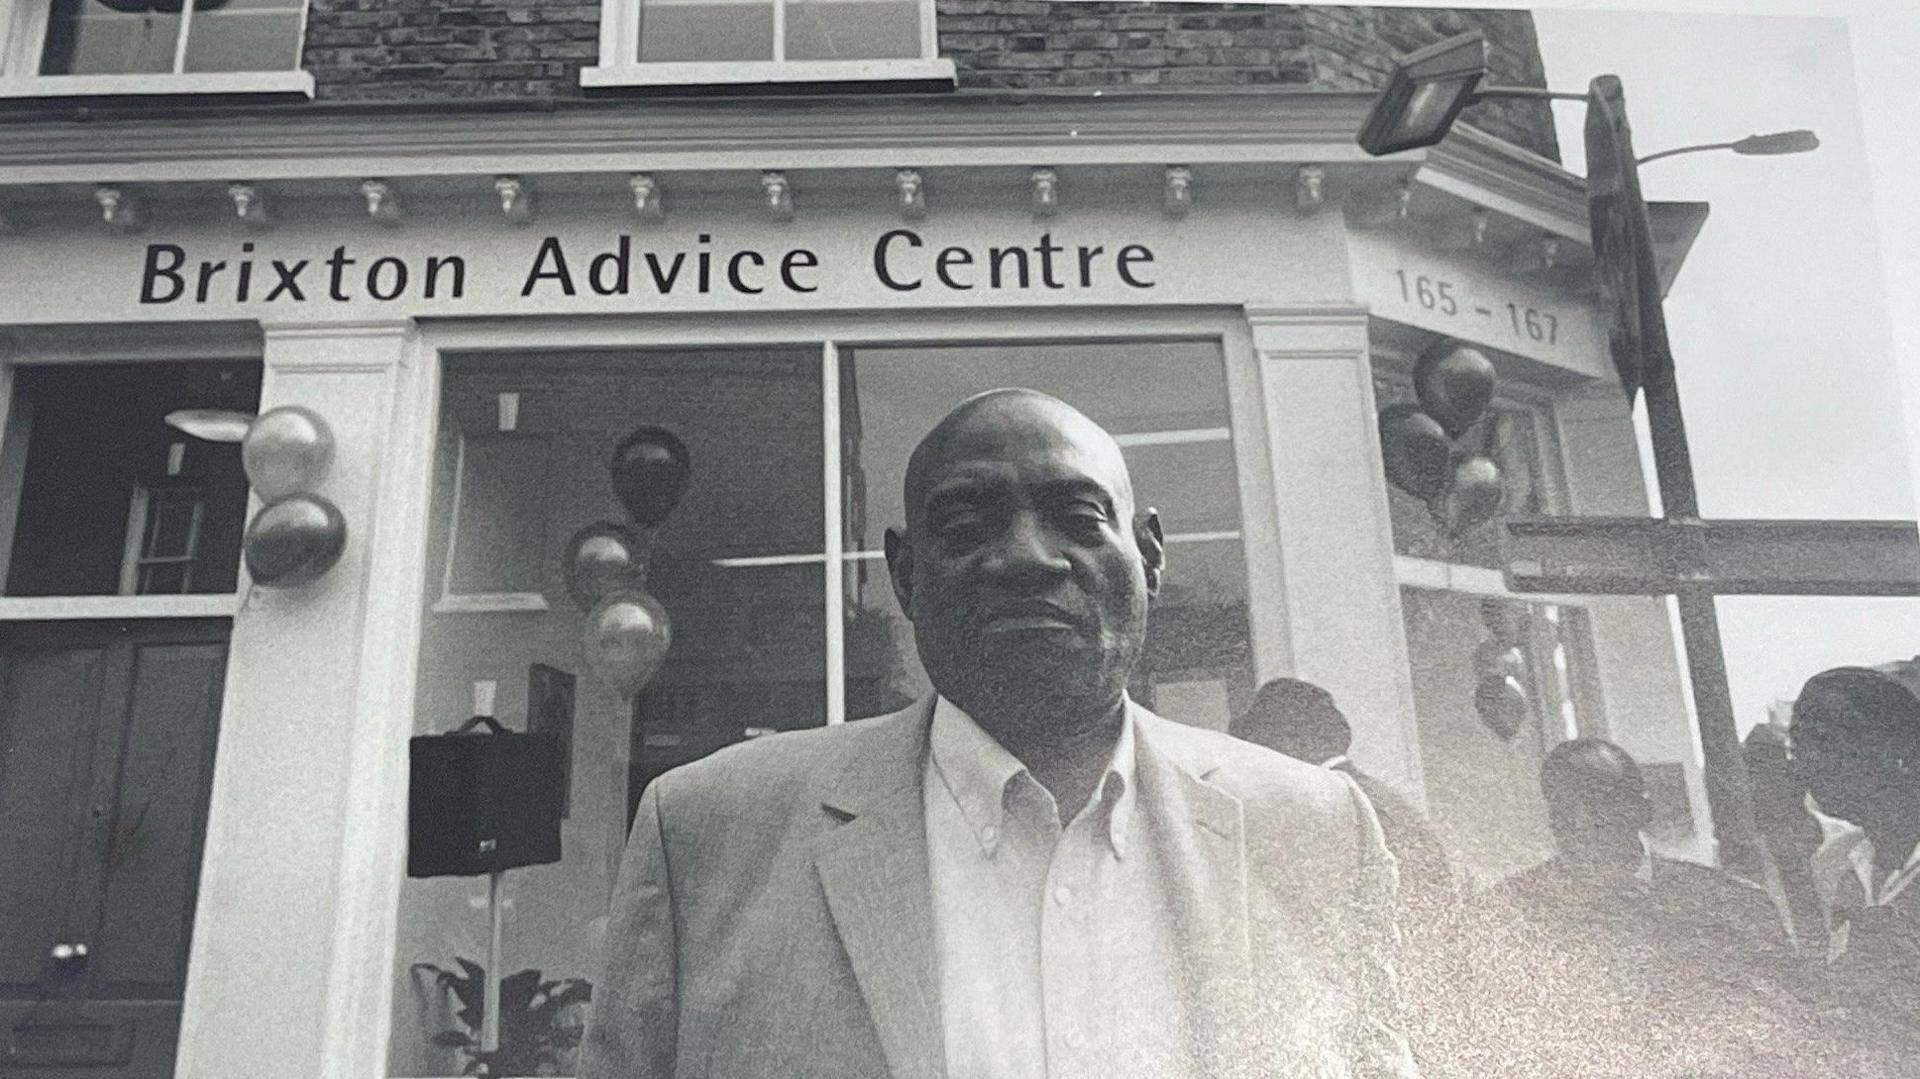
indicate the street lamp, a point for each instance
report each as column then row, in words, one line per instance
column 1424, row 95
column 1427, row 91
column 1779, row 142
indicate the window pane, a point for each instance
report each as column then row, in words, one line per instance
column 1481, row 744
column 85, row 37
column 853, row 29
column 737, row 564
column 246, row 35
column 706, row 30
column 93, row 436
column 1167, row 405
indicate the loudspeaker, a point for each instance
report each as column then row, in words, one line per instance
column 482, row 802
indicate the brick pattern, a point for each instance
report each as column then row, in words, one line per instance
column 424, row 50
column 421, row 50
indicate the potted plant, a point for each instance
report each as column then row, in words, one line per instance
column 540, row 1021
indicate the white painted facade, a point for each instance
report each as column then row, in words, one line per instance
column 294, row 952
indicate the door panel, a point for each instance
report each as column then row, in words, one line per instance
column 49, row 709
column 153, row 851
column 109, row 732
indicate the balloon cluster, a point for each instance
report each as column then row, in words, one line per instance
column 1462, row 489
column 298, row 535
column 1501, row 671
column 627, row 632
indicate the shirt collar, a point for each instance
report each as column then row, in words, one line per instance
column 1899, row 881
column 977, row 771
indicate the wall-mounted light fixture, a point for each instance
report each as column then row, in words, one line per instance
column 120, row 209
column 647, row 198
column 383, row 202
column 1045, row 197
column 249, row 204
column 1177, row 196
column 912, row 194
column 516, row 199
column 1309, row 188
column 778, row 195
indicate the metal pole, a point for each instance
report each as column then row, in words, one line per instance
column 490, row 1003
column 1729, row 794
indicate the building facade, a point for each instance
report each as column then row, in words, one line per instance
column 485, row 241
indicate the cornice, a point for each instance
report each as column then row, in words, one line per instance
column 207, row 143
column 954, row 129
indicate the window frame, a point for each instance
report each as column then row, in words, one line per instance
column 23, row 38
column 128, row 344
column 620, row 64
column 832, row 336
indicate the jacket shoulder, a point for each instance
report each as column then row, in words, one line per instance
column 1253, row 773
column 774, row 773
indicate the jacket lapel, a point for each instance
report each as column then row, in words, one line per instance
column 1200, row 838
column 1200, row 847
column 873, row 869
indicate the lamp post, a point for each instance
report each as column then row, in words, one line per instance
column 1424, row 95
column 1770, row 145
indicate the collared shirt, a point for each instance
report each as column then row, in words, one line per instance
column 1055, row 945
column 1845, row 859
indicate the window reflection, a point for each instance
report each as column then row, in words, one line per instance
column 522, row 465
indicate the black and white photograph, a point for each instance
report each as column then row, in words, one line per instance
column 958, row 539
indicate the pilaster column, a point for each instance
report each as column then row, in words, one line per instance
column 1646, row 705
column 292, row 963
column 1341, row 608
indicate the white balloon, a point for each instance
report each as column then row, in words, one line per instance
column 286, row 451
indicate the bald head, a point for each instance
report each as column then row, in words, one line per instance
column 1001, row 416
column 1596, row 802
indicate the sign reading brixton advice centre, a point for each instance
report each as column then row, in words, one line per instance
column 354, row 269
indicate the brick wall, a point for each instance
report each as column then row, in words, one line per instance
column 422, row 50
column 416, row 50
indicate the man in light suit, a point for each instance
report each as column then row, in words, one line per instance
column 1027, row 875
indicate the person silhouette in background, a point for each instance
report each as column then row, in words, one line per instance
column 1638, row 963
column 1792, row 835
column 1856, row 743
column 1302, row 721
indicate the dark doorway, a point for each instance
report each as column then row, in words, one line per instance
column 107, row 734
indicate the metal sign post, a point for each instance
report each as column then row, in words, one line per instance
column 1682, row 555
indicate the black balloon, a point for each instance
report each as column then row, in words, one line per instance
column 293, row 540
column 1502, row 704
column 1455, row 385
column 1414, row 449
column 650, row 468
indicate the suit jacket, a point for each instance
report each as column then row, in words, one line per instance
column 773, row 914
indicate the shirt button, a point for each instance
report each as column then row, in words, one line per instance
column 989, row 834
column 1063, row 895
column 1076, row 1040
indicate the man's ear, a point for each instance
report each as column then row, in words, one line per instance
column 1153, row 547
column 900, row 569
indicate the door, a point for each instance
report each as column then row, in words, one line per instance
column 107, row 733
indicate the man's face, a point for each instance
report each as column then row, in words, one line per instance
column 1022, row 569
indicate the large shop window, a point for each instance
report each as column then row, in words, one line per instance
column 771, row 569
column 84, row 47
column 112, row 501
column 668, row 42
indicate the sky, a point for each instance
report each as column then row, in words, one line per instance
column 1782, row 341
